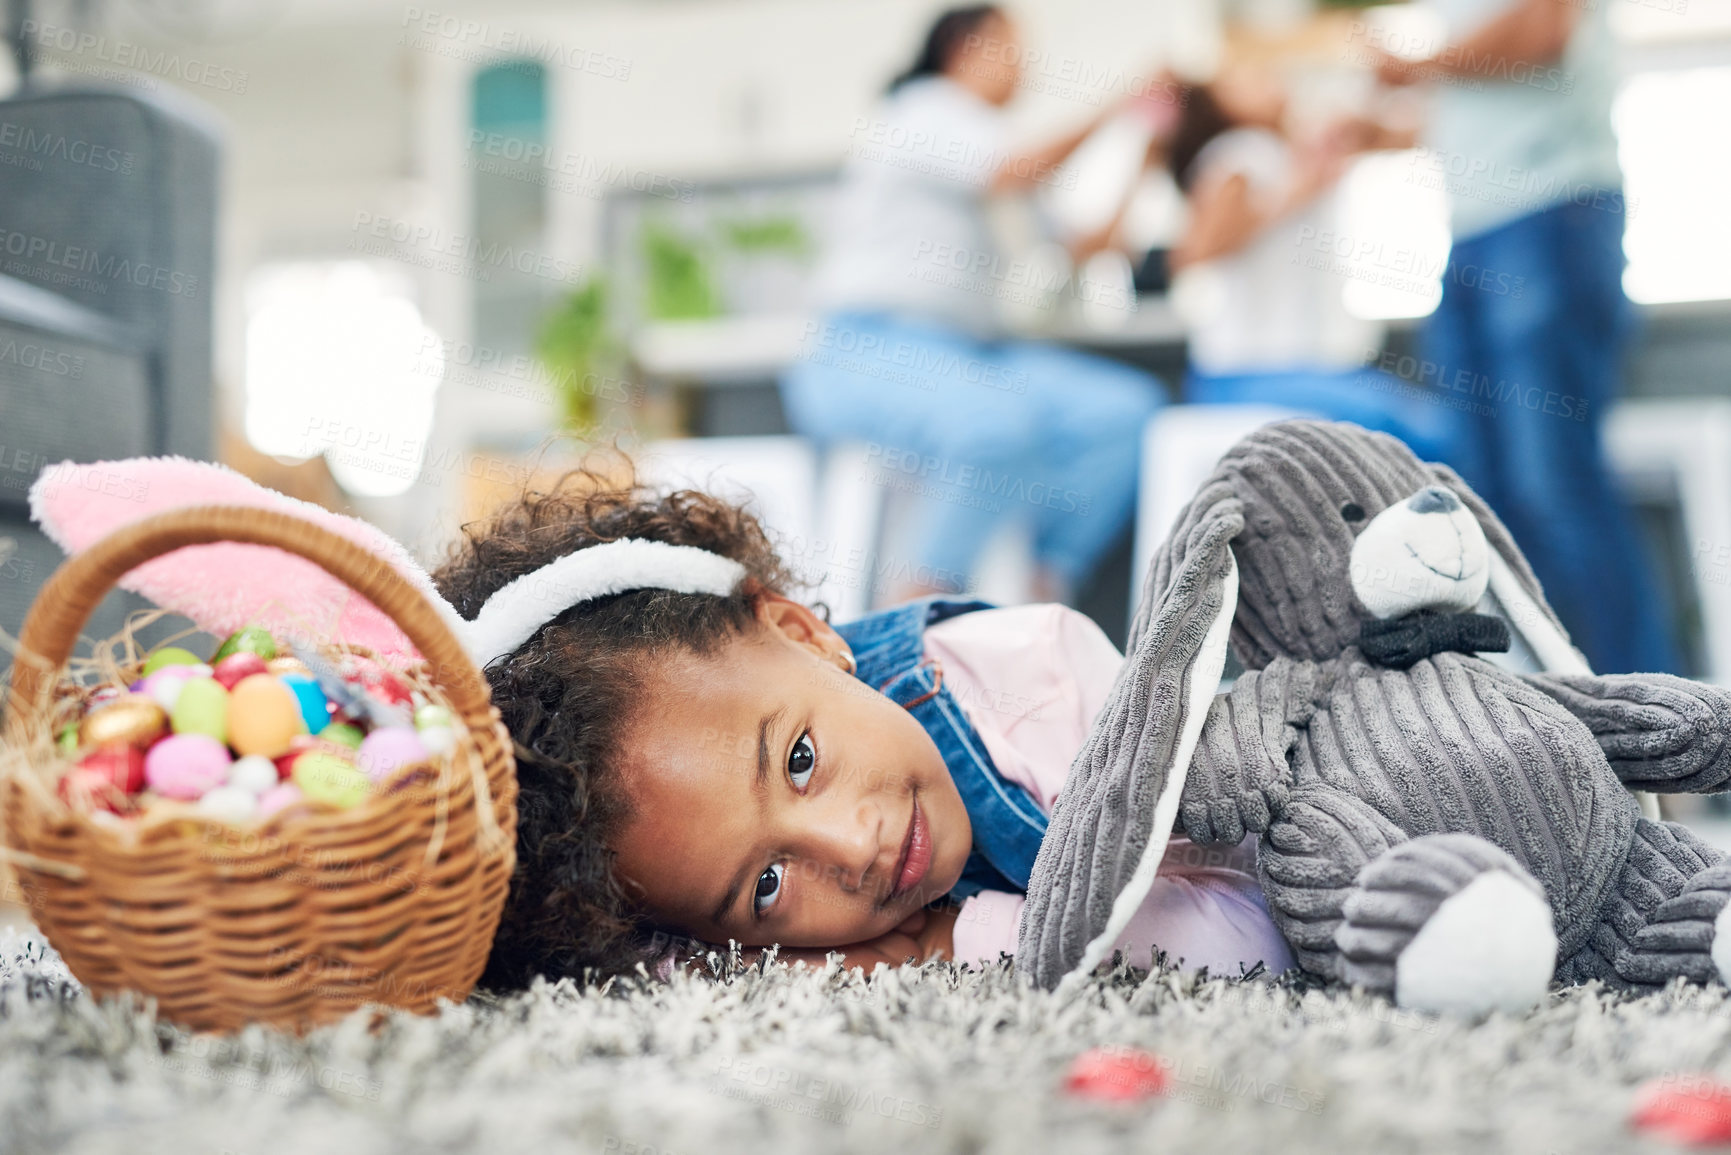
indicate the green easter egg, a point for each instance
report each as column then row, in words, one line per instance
column 202, row 708
column 344, row 734
column 67, row 739
column 328, row 778
column 169, row 656
column 432, row 715
column 247, row 639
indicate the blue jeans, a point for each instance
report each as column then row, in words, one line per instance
column 1422, row 417
column 1533, row 325
column 981, row 431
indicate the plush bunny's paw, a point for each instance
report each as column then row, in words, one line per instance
column 1688, row 936
column 1449, row 923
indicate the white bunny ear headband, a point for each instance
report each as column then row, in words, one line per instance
column 226, row 585
column 516, row 610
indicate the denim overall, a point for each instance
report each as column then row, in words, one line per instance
column 889, row 650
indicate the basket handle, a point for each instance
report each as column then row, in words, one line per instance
column 73, row 591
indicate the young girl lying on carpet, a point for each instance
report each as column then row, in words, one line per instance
column 700, row 754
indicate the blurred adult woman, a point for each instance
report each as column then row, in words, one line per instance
column 909, row 355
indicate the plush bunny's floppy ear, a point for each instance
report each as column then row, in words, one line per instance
column 226, row 585
column 1516, row 588
column 1109, row 828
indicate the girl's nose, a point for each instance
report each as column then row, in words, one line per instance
column 848, row 837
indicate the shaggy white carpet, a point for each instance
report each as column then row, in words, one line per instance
column 931, row 1059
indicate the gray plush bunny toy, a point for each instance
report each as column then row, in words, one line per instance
column 1430, row 825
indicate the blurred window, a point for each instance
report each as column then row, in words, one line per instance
column 340, row 363
column 1671, row 140
column 509, row 159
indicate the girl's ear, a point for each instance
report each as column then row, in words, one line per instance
column 798, row 624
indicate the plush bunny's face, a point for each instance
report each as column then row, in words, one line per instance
column 1342, row 526
column 1427, row 552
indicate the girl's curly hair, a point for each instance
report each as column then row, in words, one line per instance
column 566, row 693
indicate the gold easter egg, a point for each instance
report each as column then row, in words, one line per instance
column 133, row 718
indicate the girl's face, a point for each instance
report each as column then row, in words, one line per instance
column 779, row 799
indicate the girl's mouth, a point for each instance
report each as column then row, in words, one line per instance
column 916, row 853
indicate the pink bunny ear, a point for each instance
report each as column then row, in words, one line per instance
column 226, row 585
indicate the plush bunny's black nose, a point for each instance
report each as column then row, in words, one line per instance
column 1433, row 499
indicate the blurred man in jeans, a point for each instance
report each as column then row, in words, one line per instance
column 1533, row 321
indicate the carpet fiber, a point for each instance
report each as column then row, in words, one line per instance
column 930, row 1059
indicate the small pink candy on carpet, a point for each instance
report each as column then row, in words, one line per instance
column 1115, row 1074
column 1685, row 1109
column 185, row 766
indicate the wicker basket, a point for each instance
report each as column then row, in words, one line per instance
column 295, row 920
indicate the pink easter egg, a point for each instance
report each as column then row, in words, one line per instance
column 390, row 748
column 237, row 666
column 186, row 765
column 277, row 798
column 165, row 684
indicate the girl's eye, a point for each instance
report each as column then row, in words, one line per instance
column 801, row 760
column 768, row 887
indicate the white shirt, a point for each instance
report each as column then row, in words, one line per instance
column 910, row 232
column 1275, row 304
column 1512, row 139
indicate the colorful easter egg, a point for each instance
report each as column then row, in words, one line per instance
column 431, row 715
column 169, row 656
column 134, row 718
column 327, row 778
column 277, row 798
column 343, row 734
column 254, row 773
column 438, row 739
column 230, row 803
column 390, row 748
column 376, row 680
column 263, row 716
column 202, row 708
column 314, row 706
column 232, row 669
column 298, row 745
column 287, row 664
column 166, row 684
column 383, row 684
column 248, row 640
column 185, row 766
column 121, row 763
column 90, row 790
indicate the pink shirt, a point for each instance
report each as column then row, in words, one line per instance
column 1031, row 679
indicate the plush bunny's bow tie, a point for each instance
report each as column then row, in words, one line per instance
column 1400, row 642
